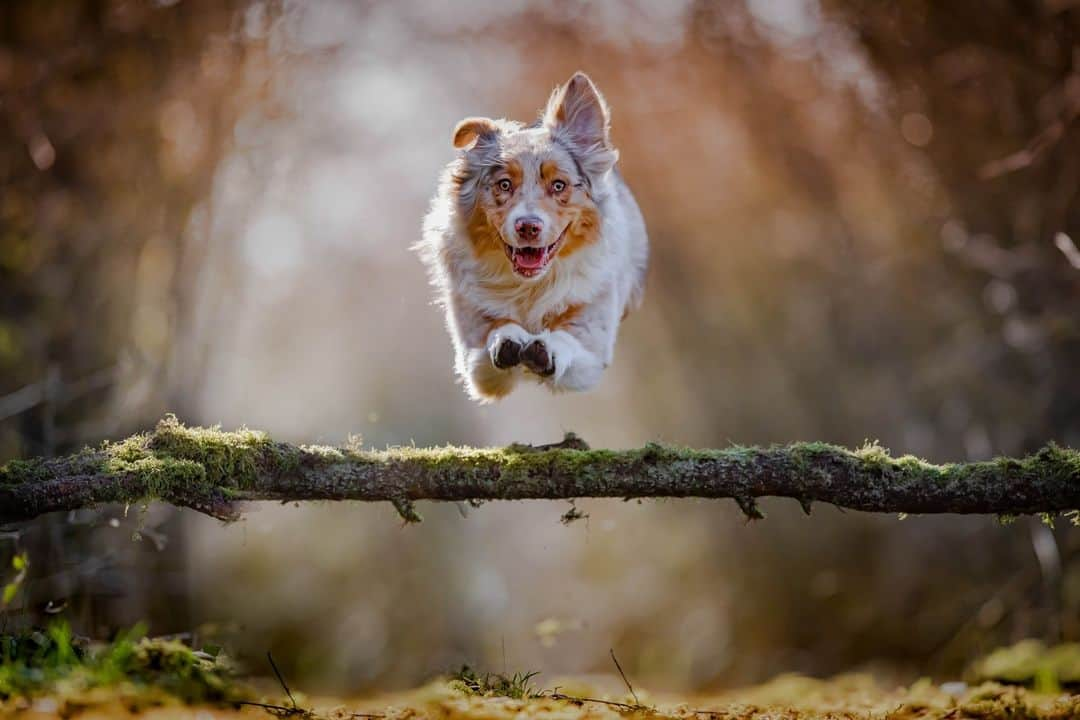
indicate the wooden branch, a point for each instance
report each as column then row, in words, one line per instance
column 214, row 472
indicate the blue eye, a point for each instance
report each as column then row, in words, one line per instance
column 505, row 185
column 558, row 186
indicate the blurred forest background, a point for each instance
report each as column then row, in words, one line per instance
column 864, row 219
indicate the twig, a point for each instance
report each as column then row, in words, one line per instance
column 624, row 678
column 1038, row 145
column 288, row 712
column 579, row 700
column 573, row 514
column 21, row 400
column 1026, row 157
column 281, row 679
column 570, row 441
column 279, row 710
column 1067, row 247
column 34, row 394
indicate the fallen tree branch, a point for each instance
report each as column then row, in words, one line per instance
column 214, row 472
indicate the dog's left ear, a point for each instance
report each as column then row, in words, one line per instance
column 577, row 114
column 473, row 129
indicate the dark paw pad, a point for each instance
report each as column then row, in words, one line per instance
column 506, row 355
column 538, row 359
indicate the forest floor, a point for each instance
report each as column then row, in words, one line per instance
column 50, row 674
column 851, row 697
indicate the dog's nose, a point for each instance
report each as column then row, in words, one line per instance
column 528, row 228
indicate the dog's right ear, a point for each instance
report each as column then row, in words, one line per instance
column 473, row 128
column 578, row 113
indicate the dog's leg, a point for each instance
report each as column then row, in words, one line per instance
column 564, row 361
column 484, row 381
column 484, row 357
column 574, row 356
column 489, row 371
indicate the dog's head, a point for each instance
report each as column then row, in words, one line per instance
column 530, row 192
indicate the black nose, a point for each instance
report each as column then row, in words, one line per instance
column 528, row 228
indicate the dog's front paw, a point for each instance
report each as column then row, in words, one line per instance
column 505, row 353
column 504, row 345
column 538, row 358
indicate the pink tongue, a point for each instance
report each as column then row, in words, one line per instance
column 529, row 260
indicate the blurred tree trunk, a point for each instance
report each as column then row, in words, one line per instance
column 113, row 115
column 998, row 83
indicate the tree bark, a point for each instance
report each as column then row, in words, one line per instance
column 215, row 472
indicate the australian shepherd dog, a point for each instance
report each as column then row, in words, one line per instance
column 535, row 246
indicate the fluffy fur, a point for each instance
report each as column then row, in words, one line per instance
column 535, row 246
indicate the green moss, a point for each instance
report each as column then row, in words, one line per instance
column 872, row 454
column 53, row 662
column 323, row 454
column 912, row 464
column 162, row 476
column 807, row 457
column 1033, row 664
column 517, row 686
column 16, row 472
column 229, row 458
column 179, row 462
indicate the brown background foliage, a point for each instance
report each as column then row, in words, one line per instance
column 864, row 218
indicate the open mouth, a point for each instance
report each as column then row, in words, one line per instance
column 531, row 261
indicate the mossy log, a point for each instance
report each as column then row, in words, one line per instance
column 215, row 472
